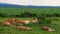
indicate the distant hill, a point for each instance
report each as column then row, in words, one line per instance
column 9, row 6
column 22, row 6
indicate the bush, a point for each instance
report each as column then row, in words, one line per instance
column 3, row 15
column 17, row 15
column 48, row 21
column 27, row 14
column 43, row 20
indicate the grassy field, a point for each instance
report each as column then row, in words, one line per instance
column 36, row 29
column 31, row 10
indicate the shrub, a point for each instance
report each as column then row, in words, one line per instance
column 3, row 15
column 27, row 14
column 43, row 20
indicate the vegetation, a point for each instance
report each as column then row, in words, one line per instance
column 18, row 12
column 47, row 16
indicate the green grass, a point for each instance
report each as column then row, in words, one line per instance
column 36, row 29
column 31, row 10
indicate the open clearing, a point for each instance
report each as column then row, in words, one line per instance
column 36, row 29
